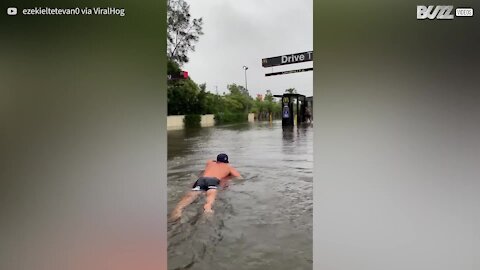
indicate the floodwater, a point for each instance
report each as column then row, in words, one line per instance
column 262, row 222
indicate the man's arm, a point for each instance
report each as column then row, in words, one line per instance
column 234, row 173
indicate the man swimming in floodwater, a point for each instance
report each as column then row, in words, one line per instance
column 215, row 175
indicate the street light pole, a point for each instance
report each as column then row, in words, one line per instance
column 245, row 68
column 246, row 88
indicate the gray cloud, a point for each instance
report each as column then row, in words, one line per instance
column 239, row 33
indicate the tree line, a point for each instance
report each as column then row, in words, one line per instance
column 186, row 97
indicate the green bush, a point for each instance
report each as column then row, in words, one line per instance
column 192, row 120
column 228, row 117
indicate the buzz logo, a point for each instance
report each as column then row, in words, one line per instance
column 434, row 12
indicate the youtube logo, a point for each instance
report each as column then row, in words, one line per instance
column 12, row 11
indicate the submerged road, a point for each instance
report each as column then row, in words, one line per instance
column 262, row 222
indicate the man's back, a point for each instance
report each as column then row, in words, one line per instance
column 219, row 170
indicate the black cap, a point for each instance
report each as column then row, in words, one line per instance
column 222, row 158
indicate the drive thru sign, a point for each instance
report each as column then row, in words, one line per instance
column 287, row 59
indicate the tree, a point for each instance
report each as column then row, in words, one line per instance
column 182, row 31
column 266, row 107
column 202, row 98
column 214, row 103
column 172, row 67
column 242, row 100
column 185, row 97
column 268, row 96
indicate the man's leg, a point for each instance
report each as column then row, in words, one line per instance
column 184, row 202
column 211, row 195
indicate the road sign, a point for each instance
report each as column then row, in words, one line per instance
column 287, row 59
column 288, row 71
column 178, row 76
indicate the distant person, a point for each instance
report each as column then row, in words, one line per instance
column 215, row 175
column 308, row 115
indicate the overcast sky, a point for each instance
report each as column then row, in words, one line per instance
column 242, row 32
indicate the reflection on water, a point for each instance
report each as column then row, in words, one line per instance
column 262, row 222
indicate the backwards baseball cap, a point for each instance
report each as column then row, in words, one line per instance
column 222, row 158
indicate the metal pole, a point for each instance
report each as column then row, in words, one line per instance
column 246, row 79
column 245, row 68
column 246, row 88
